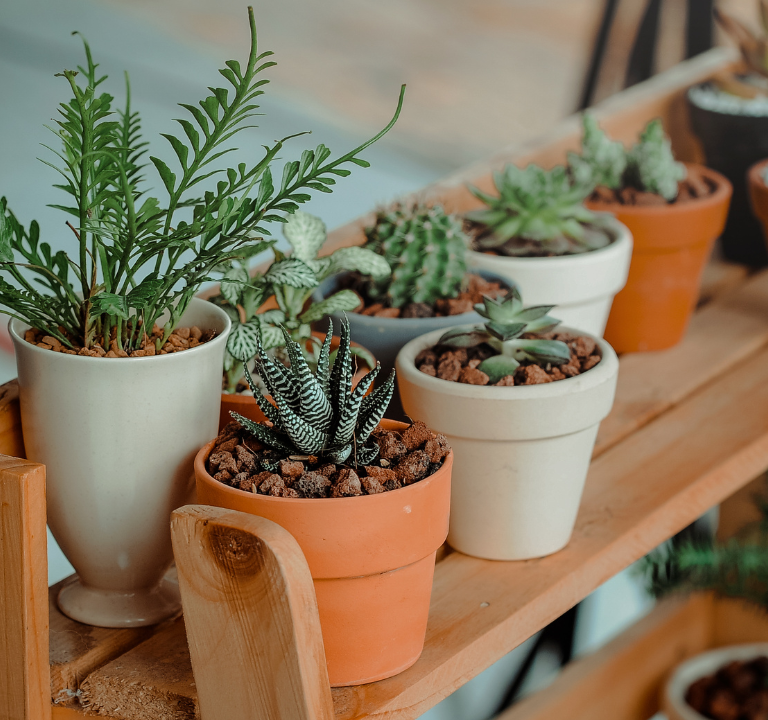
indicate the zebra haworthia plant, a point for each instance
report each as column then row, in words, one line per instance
column 291, row 279
column 318, row 413
column 507, row 321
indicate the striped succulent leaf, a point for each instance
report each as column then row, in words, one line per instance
column 373, row 409
column 345, row 428
column 367, row 454
column 305, row 437
column 341, row 373
column 324, row 360
column 265, row 435
column 269, row 410
column 277, row 380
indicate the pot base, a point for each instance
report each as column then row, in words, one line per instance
column 113, row 609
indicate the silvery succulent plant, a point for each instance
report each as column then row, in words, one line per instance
column 291, row 279
column 602, row 160
column 535, row 205
column 318, row 413
column 507, row 321
column 425, row 247
column 651, row 166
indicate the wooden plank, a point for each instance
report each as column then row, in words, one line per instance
column 76, row 650
column 740, row 509
column 638, row 494
column 622, row 679
column 11, row 439
column 251, row 616
column 720, row 277
column 67, row 713
column 720, row 335
column 24, row 673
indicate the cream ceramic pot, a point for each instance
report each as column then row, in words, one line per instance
column 697, row 667
column 118, row 438
column 581, row 286
column 521, row 453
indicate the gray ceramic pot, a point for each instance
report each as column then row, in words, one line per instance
column 385, row 336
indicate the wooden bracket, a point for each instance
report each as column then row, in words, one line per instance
column 25, row 681
column 251, row 616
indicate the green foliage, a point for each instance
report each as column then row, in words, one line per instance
column 425, row 248
column 649, row 166
column 137, row 257
column 318, row 413
column 535, row 206
column 291, row 280
column 507, row 321
column 602, row 161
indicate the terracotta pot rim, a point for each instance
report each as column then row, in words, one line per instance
column 220, row 338
column 203, row 474
column 755, row 175
column 592, row 377
column 722, row 191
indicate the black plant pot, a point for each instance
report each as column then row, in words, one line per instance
column 733, row 143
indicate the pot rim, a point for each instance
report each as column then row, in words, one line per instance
column 722, row 192
column 407, row 323
column 685, row 673
column 202, row 474
column 602, row 372
column 723, row 112
column 754, row 174
column 617, row 247
column 220, row 338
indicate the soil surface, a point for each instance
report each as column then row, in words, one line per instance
column 241, row 462
column 737, row 691
column 461, row 364
column 475, row 288
column 180, row 339
column 692, row 188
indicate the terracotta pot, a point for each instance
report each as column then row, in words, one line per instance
column 118, row 438
column 246, row 406
column 522, row 452
column 672, row 246
column 758, row 194
column 699, row 666
column 581, row 286
column 372, row 559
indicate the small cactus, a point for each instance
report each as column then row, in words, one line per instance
column 425, row 248
column 651, row 166
column 602, row 160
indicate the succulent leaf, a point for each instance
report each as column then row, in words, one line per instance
column 264, row 434
column 652, row 166
column 269, row 410
column 497, row 367
column 602, row 161
column 345, row 427
column 373, row 408
column 341, row 372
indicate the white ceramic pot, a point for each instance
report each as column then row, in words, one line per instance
column 581, row 286
column 697, row 667
column 118, row 438
column 521, row 453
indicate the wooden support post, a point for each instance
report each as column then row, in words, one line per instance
column 25, row 682
column 251, row 617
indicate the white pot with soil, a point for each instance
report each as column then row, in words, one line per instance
column 581, row 285
column 521, row 452
column 725, row 682
column 118, row 438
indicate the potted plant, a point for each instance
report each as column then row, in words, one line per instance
column 538, row 233
column 729, row 114
column 367, row 500
column 260, row 305
column 675, row 213
column 428, row 288
column 729, row 682
column 520, row 405
column 107, row 403
column 758, row 194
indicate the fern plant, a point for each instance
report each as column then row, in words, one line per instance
column 318, row 413
column 535, row 210
column 507, row 321
column 137, row 257
column 649, row 165
column 291, row 280
column 425, row 248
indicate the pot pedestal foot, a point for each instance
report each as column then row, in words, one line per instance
column 113, row 609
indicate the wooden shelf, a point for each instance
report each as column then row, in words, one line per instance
column 689, row 428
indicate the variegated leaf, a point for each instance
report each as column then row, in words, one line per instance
column 292, row 272
column 324, row 361
column 338, row 302
column 271, row 336
column 277, row 379
column 306, row 233
column 232, row 284
column 352, row 259
column 243, row 340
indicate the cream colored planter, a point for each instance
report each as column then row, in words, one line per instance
column 118, row 438
column 697, row 667
column 521, row 454
column 581, row 286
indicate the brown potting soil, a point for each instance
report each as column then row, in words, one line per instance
column 179, row 340
column 461, row 364
column 240, row 461
column 737, row 691
column 692, row 188
column 476, row 288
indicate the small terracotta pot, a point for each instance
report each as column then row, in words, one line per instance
column 246, row 406
column 672, row 246
column 758, row 194
column 372, row 559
